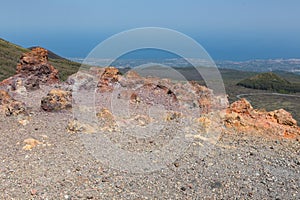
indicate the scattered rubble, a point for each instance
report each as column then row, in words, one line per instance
column 108, row 78
column 9, row 106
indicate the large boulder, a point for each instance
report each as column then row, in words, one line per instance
column 57, row 100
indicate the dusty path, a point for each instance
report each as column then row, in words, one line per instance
column 253, row 94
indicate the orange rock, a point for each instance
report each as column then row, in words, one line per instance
column 57, row 100
column 284, row 117
column 33, row 69
column 132, row 75
column 241, row 106
column 244, row 118
column 109, row 77
column 30, row 143
column 35, row 63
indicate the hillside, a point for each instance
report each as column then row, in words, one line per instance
column 10, row 54
column 269, row 81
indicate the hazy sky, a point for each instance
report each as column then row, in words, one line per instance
column 231, row 29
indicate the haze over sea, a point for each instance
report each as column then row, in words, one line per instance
column 228, row 30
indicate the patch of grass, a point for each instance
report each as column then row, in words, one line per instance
column 65, row 67
column 9, row 57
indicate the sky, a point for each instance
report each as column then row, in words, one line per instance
column 228, row 30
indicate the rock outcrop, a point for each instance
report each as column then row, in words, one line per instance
column 10, row 106
column 147, row 90
column 108, row 78
column 184, row 98
column 33, row 69
column 57, row 100
column 242, row 117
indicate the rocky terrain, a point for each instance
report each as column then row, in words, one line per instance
column 103, row 135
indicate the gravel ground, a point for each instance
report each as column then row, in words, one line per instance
column 239, row 166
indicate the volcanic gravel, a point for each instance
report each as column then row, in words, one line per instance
column 238, row 166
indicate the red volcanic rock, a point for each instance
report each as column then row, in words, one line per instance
column 35, row 63
column 10, row 106
column 108, row 78
column 244, row 118
column 33, row 69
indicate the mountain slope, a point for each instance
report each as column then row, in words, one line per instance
column 10, row 54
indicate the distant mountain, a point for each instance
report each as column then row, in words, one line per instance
column 269, row 81
column 10, row 54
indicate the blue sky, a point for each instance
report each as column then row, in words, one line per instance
column 231, row 29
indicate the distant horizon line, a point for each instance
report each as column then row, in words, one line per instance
column 218, row 60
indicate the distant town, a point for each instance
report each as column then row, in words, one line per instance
column 287, row 65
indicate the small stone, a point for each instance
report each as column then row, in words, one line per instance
column 176, row 164
column 105, row 179
column 24, row 122
column 183, row 188
column 30, row 143
column 33, row 192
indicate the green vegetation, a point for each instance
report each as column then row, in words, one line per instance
column 9, row 56
column 269, row 81
column 65, row 67
column 11, row 53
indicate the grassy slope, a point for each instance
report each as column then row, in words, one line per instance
column 269, row 81
column 10, row 54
